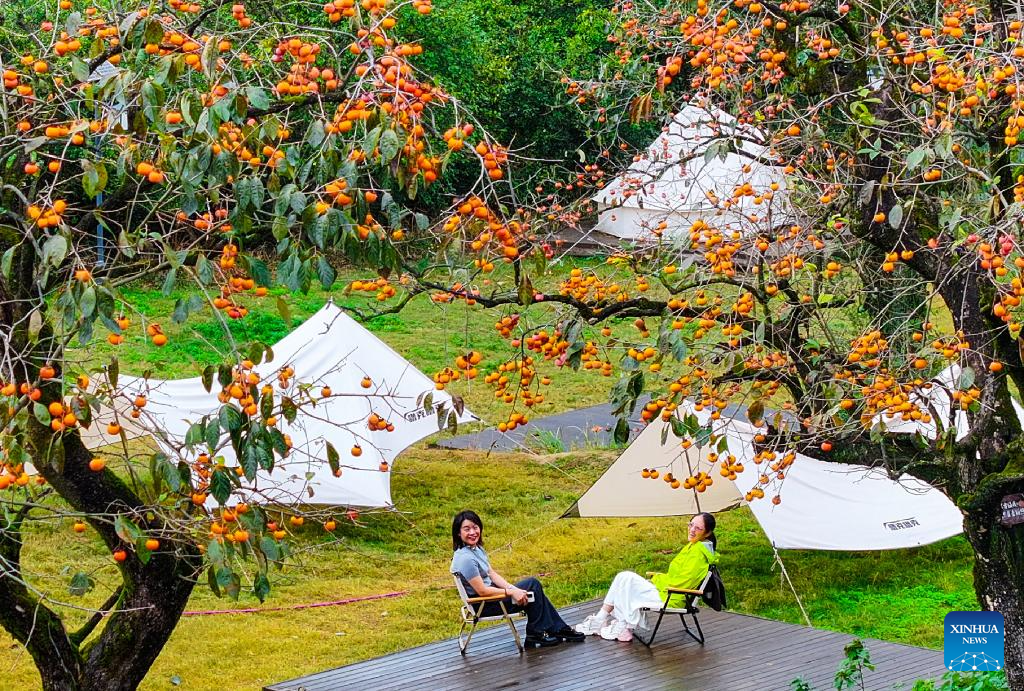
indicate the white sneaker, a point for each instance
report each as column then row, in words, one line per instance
column 614, row 630
column 592, row 625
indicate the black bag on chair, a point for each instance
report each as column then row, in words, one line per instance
column 714, row 593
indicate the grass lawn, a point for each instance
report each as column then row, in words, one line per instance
column 898, row 596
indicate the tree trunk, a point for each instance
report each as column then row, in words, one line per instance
column 999, row 581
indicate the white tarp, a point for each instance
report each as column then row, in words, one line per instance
column 936, row 401
column 826, row 506
column 330, row 349
column 680, row 173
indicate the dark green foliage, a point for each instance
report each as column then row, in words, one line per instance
column 503, row 60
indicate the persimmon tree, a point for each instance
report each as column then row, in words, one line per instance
column 166, row 141
column 889, row 253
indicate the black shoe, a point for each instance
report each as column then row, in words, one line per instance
column 567, row 633
column 544, row 640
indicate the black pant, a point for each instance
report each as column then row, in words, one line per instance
column 541, row 615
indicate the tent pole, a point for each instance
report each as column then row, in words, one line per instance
column 783, row 574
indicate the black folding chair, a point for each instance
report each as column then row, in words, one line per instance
column 688, row 608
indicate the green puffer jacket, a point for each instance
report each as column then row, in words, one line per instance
column 687, row 570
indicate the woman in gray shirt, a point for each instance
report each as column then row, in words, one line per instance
column 544, row 627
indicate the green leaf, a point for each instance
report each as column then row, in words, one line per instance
column 621, row 433
column 41, row 413
column 209, row 58
column 169, row 281
column 208, row 373
column 389, row 145
column 261, row 586
column 6, row 261
column 55, row 249
column 250, row 461
column 264, row 456
column 333, row 459
column 966, row 380
column 87, row 303
column 81, row 583
column 230, row 418
column 270, row 549
column 152, row 100
column 211, row 435
column 169, row 473
column 225, row 375
column 215, row 551
column 288, row 409
column 677, row 426
column 141, row 552
column 896, row 216
column 73, row 23
column 325, row 272
column 154, row 32
column 94, row 179
column 211, row 578
column 257, row 269
column 282, row 308
column 866, row 192
column 916, row 157
column 126, row 529
column 315, row 134
column 180, row 313
column 220, row 485
column 233, row 587
column 258, row 98
column 526, row 291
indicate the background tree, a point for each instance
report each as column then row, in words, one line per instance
column 165, row 142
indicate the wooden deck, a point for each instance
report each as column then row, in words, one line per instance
column 742, row 653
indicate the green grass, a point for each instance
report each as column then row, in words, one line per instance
column 898, row 596
column 429, row 335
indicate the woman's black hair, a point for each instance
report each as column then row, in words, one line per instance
column 457, row 542
column 709, row 529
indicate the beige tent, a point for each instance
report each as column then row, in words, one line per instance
column 623, row 491
column 824, row 505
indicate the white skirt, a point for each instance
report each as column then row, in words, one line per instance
column 628, row 593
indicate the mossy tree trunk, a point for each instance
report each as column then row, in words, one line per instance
column 145, row 608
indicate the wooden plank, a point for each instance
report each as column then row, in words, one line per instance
column 674, row 662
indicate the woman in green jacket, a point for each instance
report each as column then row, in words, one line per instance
column 630, row 593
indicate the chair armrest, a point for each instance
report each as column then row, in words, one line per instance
column 485, row 598
column 685, row 591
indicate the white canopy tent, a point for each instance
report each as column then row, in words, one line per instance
column 682, row 172
column 330, row 349
column 826, row 506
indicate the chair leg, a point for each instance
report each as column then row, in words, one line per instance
column 464, row 644
column 699, row 631
column 699, row 636
column 511, row 625
column 657, row 624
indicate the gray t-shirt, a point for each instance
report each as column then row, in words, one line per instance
column 469, row 562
